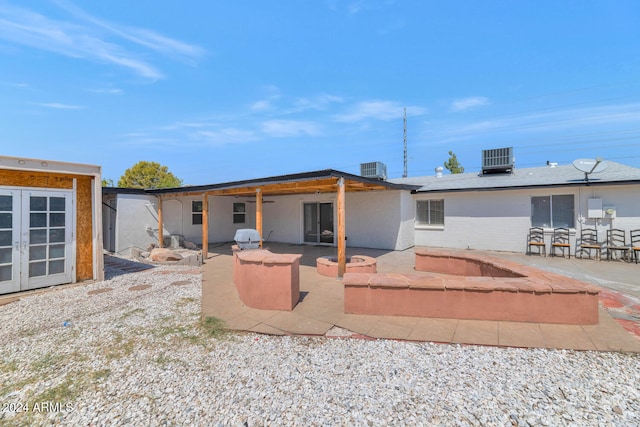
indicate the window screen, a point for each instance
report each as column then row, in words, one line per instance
column 430, row 212
column 553, row 211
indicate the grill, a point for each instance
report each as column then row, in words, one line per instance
column 247, row 238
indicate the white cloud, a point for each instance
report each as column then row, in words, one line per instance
column 15, row 84
column 223, row 136
column 58, row 106
column 107, row 91
column 263, row 105
column 288, row 128
column 88, row 40
column 318, row 103
column 356, row 6
column 377, row 110
column 570, row 119
column 468, row 103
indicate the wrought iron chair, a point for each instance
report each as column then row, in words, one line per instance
column 635, row 243
column 588, row 242
column 616, row 241
column 536, row 239
column 560, row 240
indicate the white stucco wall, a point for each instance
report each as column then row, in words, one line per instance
column 380, row 219
column 221, row 226
column 624, row 198
column 406, row 234
column 178, row 219
column 135, row 212
column 500, row 220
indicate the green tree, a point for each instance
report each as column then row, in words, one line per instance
column 107, row 182
column 452, row 164
column 148, row 175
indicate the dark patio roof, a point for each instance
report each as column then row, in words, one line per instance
column 322, row 181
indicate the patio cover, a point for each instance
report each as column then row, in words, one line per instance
column 323, row 181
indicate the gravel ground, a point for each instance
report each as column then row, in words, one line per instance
column 141, row 357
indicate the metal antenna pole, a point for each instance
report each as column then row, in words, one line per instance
column 404, row 175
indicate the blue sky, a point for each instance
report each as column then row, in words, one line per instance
column 222, row 91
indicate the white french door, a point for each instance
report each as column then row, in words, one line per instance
column 36, row 239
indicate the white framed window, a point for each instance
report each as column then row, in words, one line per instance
column 196, row 212
column 239, row 213
column 553, row 211
column 430, row 212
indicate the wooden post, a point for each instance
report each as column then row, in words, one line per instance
column 205, row 226
column 259, row 213
column 160, row 236
column 342, row 242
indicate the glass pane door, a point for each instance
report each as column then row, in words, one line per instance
column 318, row 223
column 47, row 229
column 9, row 241
column 310, row 223
column 326, row 222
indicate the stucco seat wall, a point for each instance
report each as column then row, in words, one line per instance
column 267, row 281
column 528, row 295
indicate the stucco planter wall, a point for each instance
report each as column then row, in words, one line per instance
column 266, row 280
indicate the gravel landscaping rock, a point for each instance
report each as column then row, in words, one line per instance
column 81, row 356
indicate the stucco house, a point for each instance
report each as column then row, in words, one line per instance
column 495, row 211
column 489, row 211
column 50, row 223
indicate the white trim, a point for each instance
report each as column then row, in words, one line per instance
column 429, row 227
column 74, row 232
column 98, row 245
column 52, row 166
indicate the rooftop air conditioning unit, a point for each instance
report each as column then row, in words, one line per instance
column 374, row 170
column 497, row 160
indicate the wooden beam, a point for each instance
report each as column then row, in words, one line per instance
column 342, row 242
column 323, row 185
column 160, row 236
column 259, row 213
column 205, row 226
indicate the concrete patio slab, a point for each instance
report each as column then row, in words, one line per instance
column 262, row 328
column 571, row 337
column 386, row 330
column 298, row 324
column 481, row 332
column 601, row 334
column 241, row 323
column 361, row 324
column 515, row 334
column 435, row 330
column 321, row 305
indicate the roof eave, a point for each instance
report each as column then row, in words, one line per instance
column 520, row 187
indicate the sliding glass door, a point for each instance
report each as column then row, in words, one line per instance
column 318, row 223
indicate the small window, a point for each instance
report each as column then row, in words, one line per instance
column 196, row 212
column 239, row 212
column 430, row 212
column 553, row 211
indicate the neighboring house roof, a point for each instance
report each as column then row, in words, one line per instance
column 313, row 179
column 545, row 176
